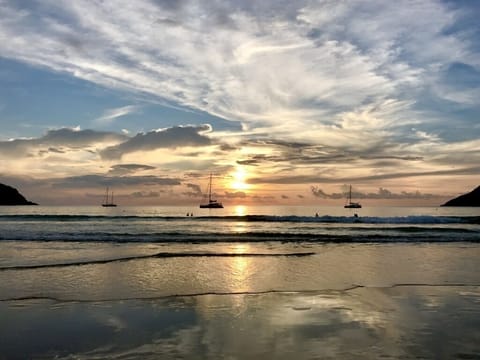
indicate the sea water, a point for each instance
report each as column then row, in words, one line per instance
column 240, row 282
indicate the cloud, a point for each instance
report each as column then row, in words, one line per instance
column 196, row 188
column 251, row 162
column 173, row 137
column 145, row 194
column 381, row 194
column 123, row 169
column 235, row 195
column 311, row 179
column 64, row 137
column 351, row 79
column 257, row 63
column 111, row 114
column 89, row 181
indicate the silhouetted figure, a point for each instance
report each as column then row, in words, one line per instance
column 316, row 214
column 355, row 215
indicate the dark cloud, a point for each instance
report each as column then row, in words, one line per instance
column 310, row 154
column 196, row 188
column 382, row 193
column 55, row 150
column 263, row 198
column 89, row 181
column 145, row 194
column 227, row 147
column 174, row 137
column 196, row 191
column 235, row 195
column 124, row 169
column 170, row 4
column 309, row 179
column 285, row 197
column 65, row 137
column 251, row 162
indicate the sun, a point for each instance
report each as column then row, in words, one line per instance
column 238, row 179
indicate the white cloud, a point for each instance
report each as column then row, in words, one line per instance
column 239, row 63
column 111, row 114
column 347, row 76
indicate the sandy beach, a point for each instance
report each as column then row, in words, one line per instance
column 350, row 301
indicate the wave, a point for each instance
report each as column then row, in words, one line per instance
column 414, row 219
column 376, row 235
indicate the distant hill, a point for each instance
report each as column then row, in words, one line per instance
column 470, row 199
column 11, row 196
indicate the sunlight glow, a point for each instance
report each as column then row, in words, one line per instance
column 240, row 210
column 238, row 179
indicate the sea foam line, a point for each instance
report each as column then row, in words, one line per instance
column 232, row 293
column 163, row 255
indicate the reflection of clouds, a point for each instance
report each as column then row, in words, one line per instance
column 364, row 323
column 112, row 321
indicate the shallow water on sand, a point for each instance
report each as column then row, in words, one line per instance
column 338, row 301
column 400, row 322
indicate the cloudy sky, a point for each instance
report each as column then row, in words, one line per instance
column 285, row 102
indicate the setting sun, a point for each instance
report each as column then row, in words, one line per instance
column 238, row 180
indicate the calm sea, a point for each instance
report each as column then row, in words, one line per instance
column 240, row 224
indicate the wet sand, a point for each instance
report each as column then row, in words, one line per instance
column 358, row 301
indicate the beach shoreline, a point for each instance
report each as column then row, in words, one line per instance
column 343, row 301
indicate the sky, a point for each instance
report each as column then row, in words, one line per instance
column 283, row 102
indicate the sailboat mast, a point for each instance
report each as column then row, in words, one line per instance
column 350, row 195
column 210, row 189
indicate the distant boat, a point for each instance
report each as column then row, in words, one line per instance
column 212, row 204
column 108, row 201
column 350, row 204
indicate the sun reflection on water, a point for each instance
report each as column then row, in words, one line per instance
column 240, row 210
column 241, row 269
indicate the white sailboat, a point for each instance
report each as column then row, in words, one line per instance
column 108, row 202
column 350, row 204
column 212, row 204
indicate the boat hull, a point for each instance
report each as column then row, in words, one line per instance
column 211, row 206
column 353, row 206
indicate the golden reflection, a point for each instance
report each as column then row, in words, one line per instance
column 241, row 269
column 240, row 210
column 240, row 227
column 241, row 248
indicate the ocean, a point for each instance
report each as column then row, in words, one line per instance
column 240, row 282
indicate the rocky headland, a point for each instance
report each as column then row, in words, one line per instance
column 470, row 199
column 10, row 196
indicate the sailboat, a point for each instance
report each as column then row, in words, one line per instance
column 108, row 203
column 212, row 204
column 350, row 204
